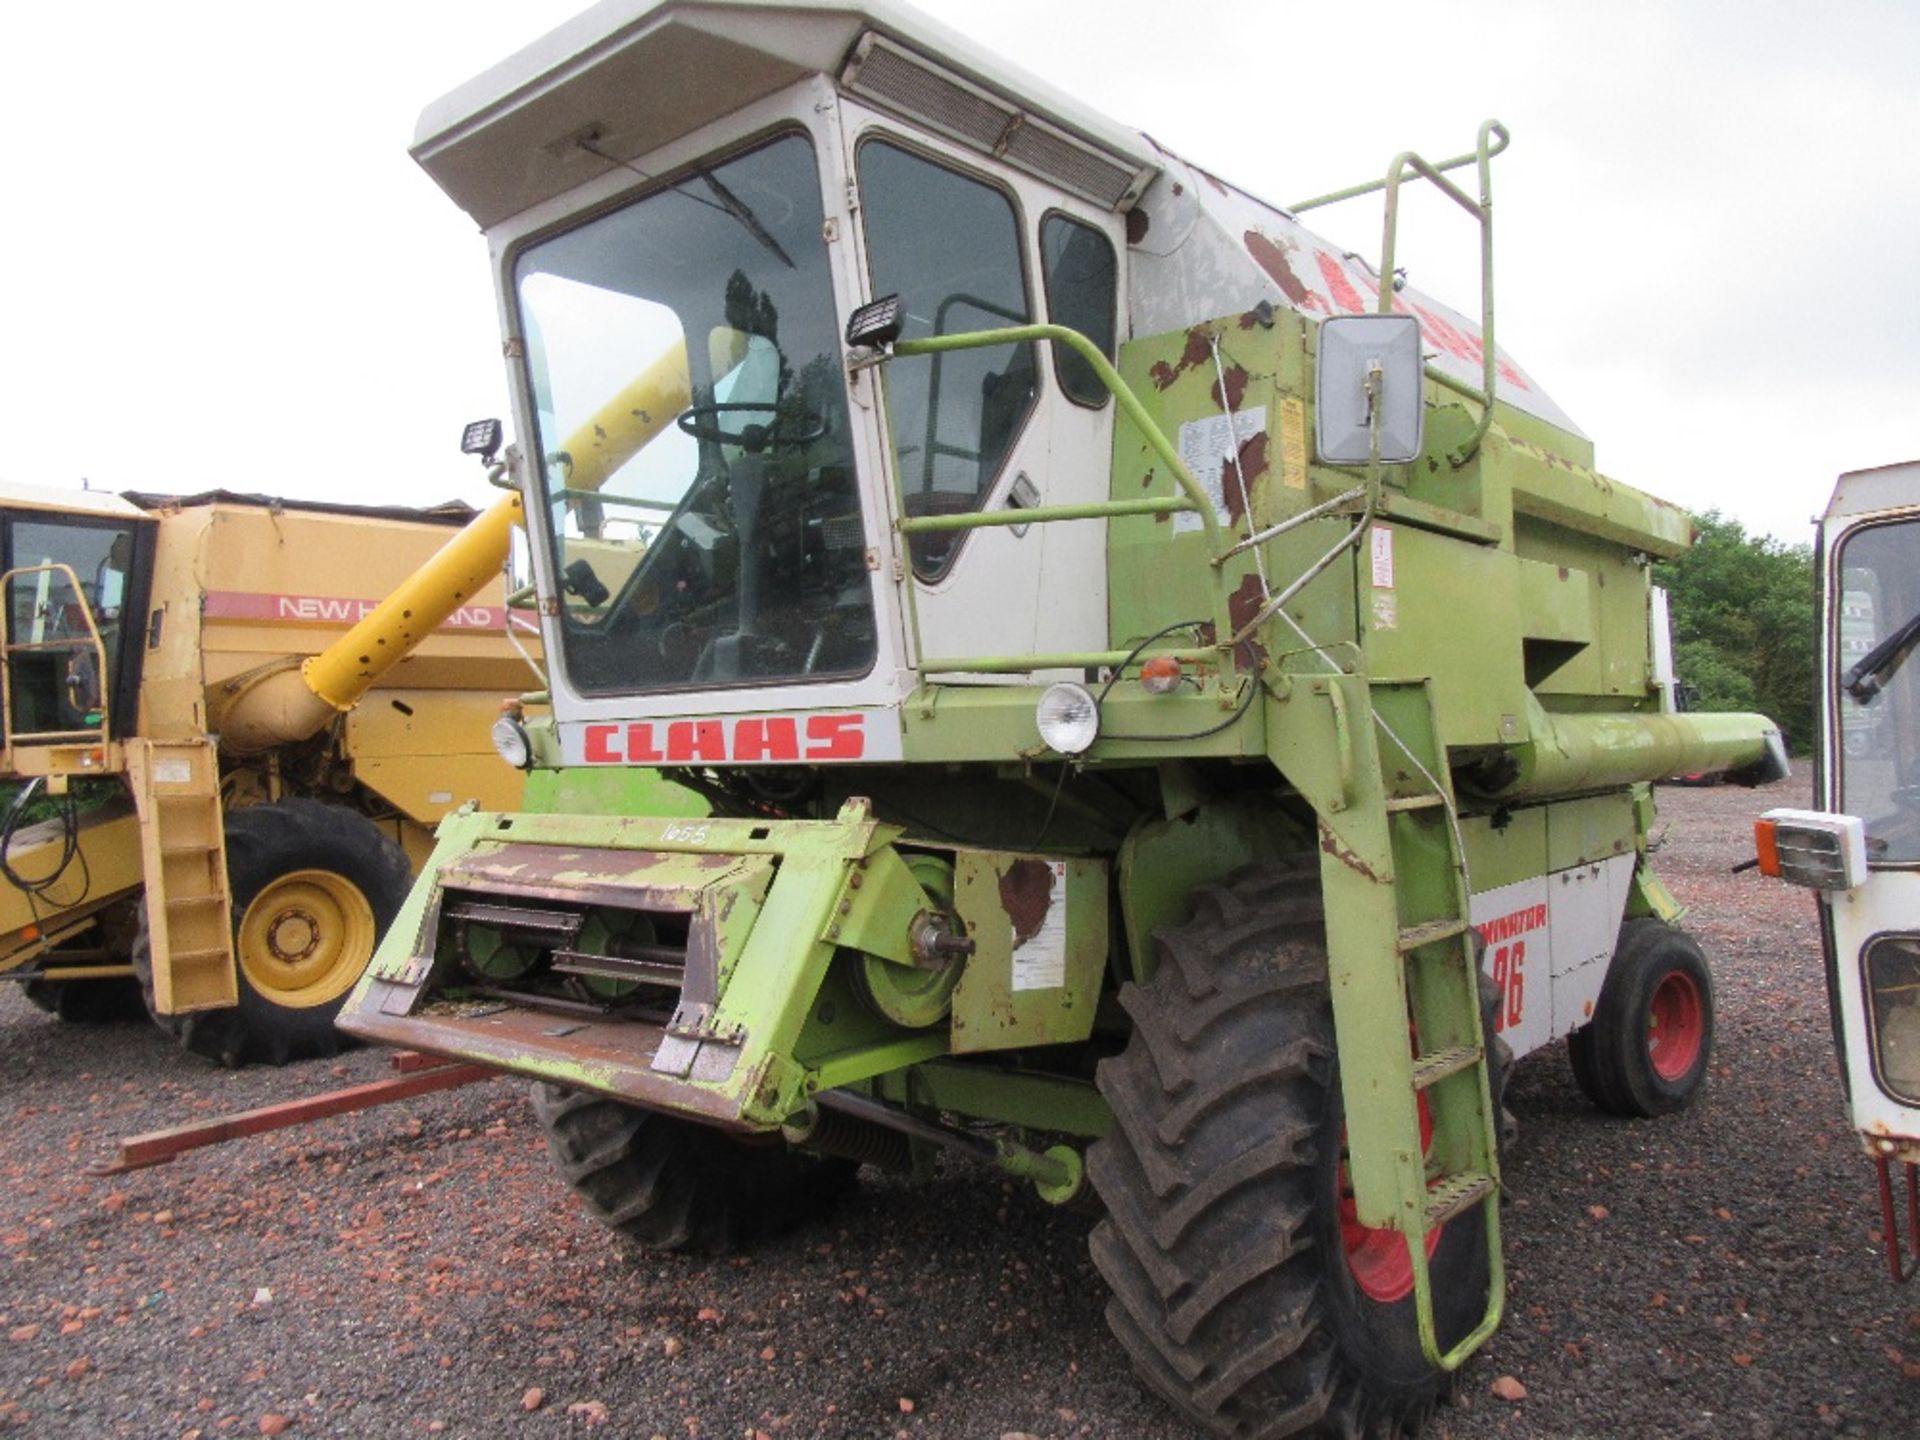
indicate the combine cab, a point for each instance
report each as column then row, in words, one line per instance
column 1176, row 715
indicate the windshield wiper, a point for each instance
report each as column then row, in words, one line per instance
column 737, row 208
column 1876, row 667
column 728, row 203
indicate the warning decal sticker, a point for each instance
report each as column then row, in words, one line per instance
column 1040, row 955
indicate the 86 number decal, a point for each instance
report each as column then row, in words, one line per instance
column 1510, row 974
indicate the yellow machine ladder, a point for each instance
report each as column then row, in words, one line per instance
column 176, row 791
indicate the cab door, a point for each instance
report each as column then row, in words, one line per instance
column 74, row 588
column 1871, row 770
column 969, row 246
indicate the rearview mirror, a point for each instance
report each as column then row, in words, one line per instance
column 1370, row 374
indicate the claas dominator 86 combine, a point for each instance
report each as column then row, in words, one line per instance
column 201, row 805
column 1176, row 712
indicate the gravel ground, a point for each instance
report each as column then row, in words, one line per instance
column 418, row 1269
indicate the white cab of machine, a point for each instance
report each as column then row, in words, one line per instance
column 1859, row 850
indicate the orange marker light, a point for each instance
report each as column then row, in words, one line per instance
column 1160, row 675
column 1767, row 847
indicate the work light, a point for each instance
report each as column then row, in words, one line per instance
column 510, row 740
column 1068, row 717
column 1812, row 848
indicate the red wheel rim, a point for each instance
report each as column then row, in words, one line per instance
column 1676, row 1026
column 1381, row 1263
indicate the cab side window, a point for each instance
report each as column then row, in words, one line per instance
column 55, row 681
column 1080, row 275
column 949, row 247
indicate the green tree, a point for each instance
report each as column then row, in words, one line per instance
column 1743, row 623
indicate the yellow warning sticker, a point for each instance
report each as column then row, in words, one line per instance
column 1293, row 443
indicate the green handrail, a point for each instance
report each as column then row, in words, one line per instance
column 1492, row 139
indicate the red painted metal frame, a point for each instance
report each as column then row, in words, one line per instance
column 419, row 1075
column 1897, row 1260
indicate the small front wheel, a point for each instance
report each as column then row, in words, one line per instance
column 668, row 1184
column 1647, row 1048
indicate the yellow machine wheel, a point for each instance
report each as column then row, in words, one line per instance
column 314, row 888
column 306, row 937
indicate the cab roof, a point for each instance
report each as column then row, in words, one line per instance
column 628, row 76
column 17, row 495
column 1867, row 492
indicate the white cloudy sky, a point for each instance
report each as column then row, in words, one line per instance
column 222, row 268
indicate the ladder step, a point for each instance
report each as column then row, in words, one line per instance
column 1399, row 803
column 1414, row 936
column 1437, row 1065
column 175, row 900
column 186, row 849
column 198, row 957
column 1455, row 1195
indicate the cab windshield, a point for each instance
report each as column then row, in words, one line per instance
column 1877, row 684
column 698, row 479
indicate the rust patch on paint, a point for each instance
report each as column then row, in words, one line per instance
column 1146, row 480
column 1331, row 844
column 1245, row 601
column 1199, row 348
column 1236, row 388
column 1253, row 457
column 1236, row 480
column 1026, row 894
column 1272, row 258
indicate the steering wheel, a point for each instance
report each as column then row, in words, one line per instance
column 82, row 686
column 701, row 422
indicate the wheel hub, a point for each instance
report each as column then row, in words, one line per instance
column 1676, row 1026
column 305, row 937
column 1380, row 1260
column 293, row 935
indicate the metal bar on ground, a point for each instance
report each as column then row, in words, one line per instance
column 160, row 1146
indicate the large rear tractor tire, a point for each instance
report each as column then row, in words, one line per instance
column 1239, row 1292
column 1648, row 1046
column 669, row 1184
column 314, row 888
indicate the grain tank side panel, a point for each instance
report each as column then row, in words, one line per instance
column 272, row 585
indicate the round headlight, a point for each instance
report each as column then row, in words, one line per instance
column 510, row 739
column 1069, row 719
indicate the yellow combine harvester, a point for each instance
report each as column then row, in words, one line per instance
column 203, row 805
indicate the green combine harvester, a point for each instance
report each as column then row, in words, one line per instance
column 1176, row 714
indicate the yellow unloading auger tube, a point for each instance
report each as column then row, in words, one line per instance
column 283, row 704
column 645, row 407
